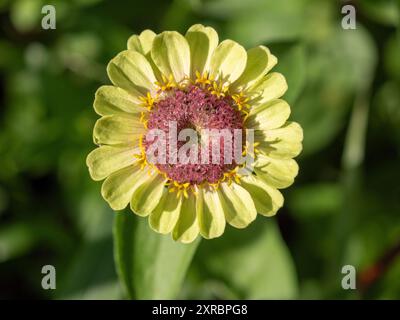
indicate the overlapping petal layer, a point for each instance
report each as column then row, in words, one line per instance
column 137, row 74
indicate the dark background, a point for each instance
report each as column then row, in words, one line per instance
column 344, row 208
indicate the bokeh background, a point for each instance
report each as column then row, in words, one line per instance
column 344, row 208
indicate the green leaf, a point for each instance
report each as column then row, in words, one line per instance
column 15, row 240
column 26, row 14
column 386, row 12
column 83, row 279
column 19, row 238
column 151, row 266
column 270, row 22
column 345, row 63
column 387, row 102
column 254, row 262
column 392, row 63
column 316, row 200
column 292, row 64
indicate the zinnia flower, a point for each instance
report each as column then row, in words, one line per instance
column 196, row 83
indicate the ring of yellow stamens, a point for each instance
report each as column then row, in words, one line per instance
column 241, row 101
column 218, row 89
column 228, row 177
column 253, row 154
column 179, row 188
column 166, row 83
column 143, row 119
column 231, row 176
column 148, row 101
column 202, row 79
column 215, row 87
column 142, row 160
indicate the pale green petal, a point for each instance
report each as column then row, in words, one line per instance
column 270, row 115
column 164, row 217
column 148, row 193
column 272, row 86
column 171, row 54
column 187, row 228
column 284, row 142
column 259, row 62
column 134, row 43
column 228, row 61
column 267, row 199
column 113, row 100
column 279, row 173
column 117, row 130
column 202, row 42
column 117, row 189
column 142, row 43
column 108, row 159
column 210, row 214
column 272, row 60
column 131, row 71
column 237, row 204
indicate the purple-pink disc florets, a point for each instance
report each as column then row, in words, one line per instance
column 195, row 108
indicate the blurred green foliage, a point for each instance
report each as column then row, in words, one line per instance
column 344, row 88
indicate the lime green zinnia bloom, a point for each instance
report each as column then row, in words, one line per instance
column 199, row 83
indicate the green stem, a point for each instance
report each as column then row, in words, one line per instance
column 352, row 160
column 354, row 149
column 149, row 265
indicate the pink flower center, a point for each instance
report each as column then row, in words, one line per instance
column 197, row 109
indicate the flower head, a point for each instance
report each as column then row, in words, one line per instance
column 193, row 134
